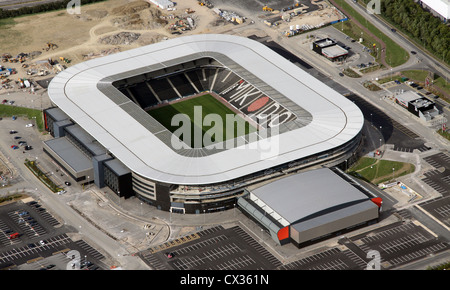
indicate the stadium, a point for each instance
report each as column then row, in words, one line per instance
column 116, row 121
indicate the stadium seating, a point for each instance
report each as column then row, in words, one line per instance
column 181, row 84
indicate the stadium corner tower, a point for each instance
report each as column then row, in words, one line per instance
column 113, row 121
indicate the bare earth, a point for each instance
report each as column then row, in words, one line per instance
column 78, row 36
column 118, row 25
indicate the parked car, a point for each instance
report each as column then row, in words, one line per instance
column 29, row 125
column 67, row 183
column 28, row 147
column 4, row 101
column 12, row 132
column 14, row 146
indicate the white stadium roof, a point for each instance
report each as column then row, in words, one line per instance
column 335, row 120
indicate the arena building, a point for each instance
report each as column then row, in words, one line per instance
column 311, row 206
column 115, row 121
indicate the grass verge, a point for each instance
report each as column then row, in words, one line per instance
column 378, row 171
column 444, row 134
column 9, row 111
column 395, row 54
column 31, row 165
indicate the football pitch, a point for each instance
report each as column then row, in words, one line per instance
column 207, row 115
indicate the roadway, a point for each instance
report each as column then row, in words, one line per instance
column 421, row 60
column 25, row 180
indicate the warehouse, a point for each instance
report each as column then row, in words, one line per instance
column 163, row 4
column 439, row 8
column 308, row 207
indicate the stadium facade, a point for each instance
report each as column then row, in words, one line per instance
column 103, row 132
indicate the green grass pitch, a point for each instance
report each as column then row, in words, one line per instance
column 209, row 105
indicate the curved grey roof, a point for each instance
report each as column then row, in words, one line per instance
column 300, row 196
column 335, row 120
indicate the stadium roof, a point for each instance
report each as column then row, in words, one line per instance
column 85, row 93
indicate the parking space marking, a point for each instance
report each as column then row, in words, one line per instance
column 418, row 254
column 237, row 263
column 20, row 252
column 403, row 243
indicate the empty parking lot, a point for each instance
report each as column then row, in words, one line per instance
column 438, row 178
column 213, row 249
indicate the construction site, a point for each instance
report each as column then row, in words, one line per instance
column 300, row 17
column 32, row 53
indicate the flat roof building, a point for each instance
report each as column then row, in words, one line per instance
column 329, row 48
column 310, row 206
column 418, row 105
column 440, row 8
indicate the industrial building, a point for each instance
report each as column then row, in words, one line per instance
column 311, row 206
column 439, row 8
column 163, row 4
column 100, row 112
column 418, row 105
column 330, row 49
